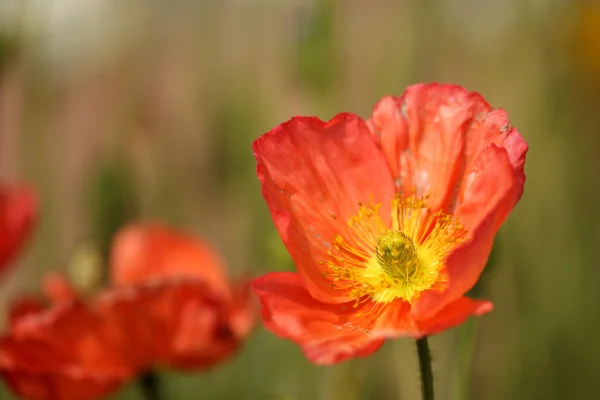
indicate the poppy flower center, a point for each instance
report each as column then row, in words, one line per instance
column 384, row 261
column 397, row 256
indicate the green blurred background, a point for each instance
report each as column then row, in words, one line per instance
column 146, row 109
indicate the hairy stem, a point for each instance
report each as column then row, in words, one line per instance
column 425, row 367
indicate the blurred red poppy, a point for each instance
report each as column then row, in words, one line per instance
column 18, row 212
column 389, row 221
column 71, row 351
column 158, row 313
column 57, row 289
column 205, row 329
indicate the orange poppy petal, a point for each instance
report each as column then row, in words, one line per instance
column 433, row 133
column 495, row 128
column 390, row 129
column 314, row 174
column 142, row 253
column 63, row 353
column 23, row 306
column 452, row 315
column 327, row 333
column 489, row 198
column 80, row 350
column 423, row 134
column 203, row 338
column 18, row 211
column 177, row 322
column 242, row 315
column 76, row 334
column 396, row 321
column 202, row 335
column 57, row 288
column 209, row 332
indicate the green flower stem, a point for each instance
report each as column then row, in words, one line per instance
column 425, row 366
column 150, row 386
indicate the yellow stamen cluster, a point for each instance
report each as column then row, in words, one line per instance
column 374, row 260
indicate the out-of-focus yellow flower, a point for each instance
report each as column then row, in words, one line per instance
column 584, row 43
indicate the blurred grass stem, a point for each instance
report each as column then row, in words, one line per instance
column 425, row 367
column 461, row 379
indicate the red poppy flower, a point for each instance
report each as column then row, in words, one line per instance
column 18, row 209
column 63, row 347
column 158, row 314
column 203, row 331
column 389, row 221
column 71, row 351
